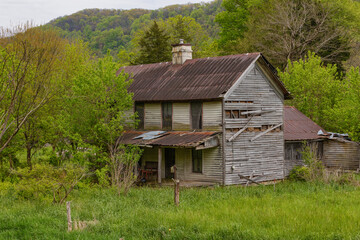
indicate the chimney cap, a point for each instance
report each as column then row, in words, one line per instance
column 181, row 43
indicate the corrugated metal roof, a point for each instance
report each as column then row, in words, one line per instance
column 298, row 127
column 196, row 79
column 175, row 139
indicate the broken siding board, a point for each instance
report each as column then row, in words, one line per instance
column 212, row 116
column 152, row 119
column 266, row 154
column 181, row 116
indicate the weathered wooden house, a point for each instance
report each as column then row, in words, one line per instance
column 213, row 118
column 333, row 150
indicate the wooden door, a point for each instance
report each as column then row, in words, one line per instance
column 169, row 162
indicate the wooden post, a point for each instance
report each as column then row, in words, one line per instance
column 176, row 187
column 68, row 209
column 159, row 164
column 176, row 191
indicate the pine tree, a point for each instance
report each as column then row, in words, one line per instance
column 154, row 46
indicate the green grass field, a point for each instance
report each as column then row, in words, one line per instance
column 292, row 211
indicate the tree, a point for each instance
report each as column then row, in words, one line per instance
column 154, row 46
column 314, row 86
column 187, row 28
column 346, row 113
column 233, row 22
column 30, row 65
column 285, row 30
column 96, row 116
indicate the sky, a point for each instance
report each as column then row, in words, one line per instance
column 15, row 12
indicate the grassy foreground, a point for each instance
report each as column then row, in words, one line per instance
column 292, row 211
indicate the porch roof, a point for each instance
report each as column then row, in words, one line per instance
column 200, row 140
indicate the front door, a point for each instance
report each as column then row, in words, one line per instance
column 169, row 162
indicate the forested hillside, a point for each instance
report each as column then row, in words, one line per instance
column 106, row 29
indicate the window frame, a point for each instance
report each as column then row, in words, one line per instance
column 201, row 161
column 201, row 115
column 168, row 128
column 141, row 125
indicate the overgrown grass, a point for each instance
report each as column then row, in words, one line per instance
column 293, row 211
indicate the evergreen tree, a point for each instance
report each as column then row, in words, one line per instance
column 154, row 46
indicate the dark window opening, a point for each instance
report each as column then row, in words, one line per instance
column 196, row 115
column 166, row 116
column 139, row 109
column 196, row 161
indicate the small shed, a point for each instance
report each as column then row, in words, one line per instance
column 297, row 129
column 335, row 150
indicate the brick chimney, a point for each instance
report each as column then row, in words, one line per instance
column 181, row 52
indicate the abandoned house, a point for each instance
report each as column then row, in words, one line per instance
column 214, row 118
column 334, row 150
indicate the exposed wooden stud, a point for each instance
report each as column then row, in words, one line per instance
column 258, row 112
column 263, row 133
column 240, row 131
column 159, row 164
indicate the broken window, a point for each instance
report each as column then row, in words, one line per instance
column 166, row 115
column 196, row 161
column 196, row 115
column 139, row 109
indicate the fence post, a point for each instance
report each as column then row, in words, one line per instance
column 176, row 187
column 68, row 209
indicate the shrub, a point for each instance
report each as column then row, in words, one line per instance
column 299, row 173
column 45, row 182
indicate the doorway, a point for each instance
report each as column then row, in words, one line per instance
column 169, row 162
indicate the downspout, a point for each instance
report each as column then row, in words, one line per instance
column 223, row 139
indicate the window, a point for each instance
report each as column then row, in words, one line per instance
column 196, row 161
column 166, row 108
column 196, row 115
column 139, row 108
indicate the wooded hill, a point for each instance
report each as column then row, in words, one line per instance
column 110, row 29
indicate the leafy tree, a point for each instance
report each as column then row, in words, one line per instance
column 154, row 46
column 30, row 66
column 233, row 22
column 314, row 86
column 346, row 113
column 187, row 28
column 285, row 30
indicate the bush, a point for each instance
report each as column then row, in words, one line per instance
column 299, row 173
column 46, row 182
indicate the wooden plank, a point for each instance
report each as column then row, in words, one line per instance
column 159, row 164
column 258, row 112
column 263, row 133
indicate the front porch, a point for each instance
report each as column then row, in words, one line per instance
column 196, row 155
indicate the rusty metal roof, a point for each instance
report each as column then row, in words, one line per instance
column 196, row 79
column 299, row 127
column 174, row 139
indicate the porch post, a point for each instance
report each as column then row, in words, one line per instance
column 159, row 164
